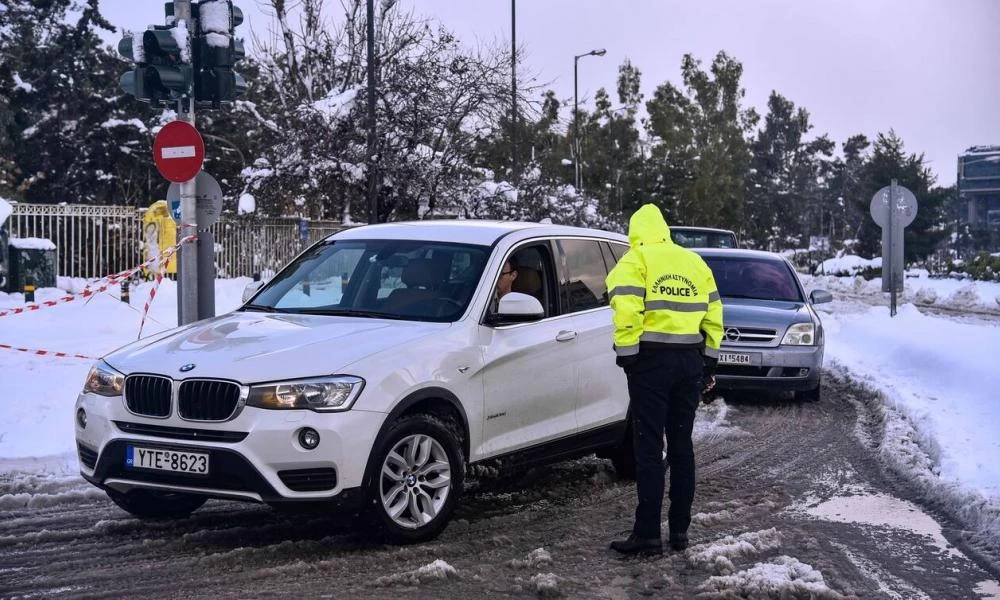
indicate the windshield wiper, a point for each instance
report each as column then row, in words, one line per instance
column 262, row 308
column 771, row 298
column 348, row 312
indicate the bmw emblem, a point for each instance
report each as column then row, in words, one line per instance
column 187, row 367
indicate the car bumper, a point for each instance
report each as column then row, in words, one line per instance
column 784, row 368
column 259, row 460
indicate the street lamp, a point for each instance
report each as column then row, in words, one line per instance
column 576, row 114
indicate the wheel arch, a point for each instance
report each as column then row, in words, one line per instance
column 434, row 401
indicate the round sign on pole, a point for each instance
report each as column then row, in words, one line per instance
column 178, row 151
column 904, row 205
column 207, row 200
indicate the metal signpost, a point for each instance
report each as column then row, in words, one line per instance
column 187, row 63
column 208, row 208
column 179, row 153
column 893, row 208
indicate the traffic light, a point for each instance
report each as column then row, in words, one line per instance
column 163, row 71
column 216, row 50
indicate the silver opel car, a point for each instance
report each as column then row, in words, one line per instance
column 773, row 337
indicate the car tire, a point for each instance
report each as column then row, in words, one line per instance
column 416, row 480
column 810, row 395
column 152, row 504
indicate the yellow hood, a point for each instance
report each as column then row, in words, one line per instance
column 648, row 227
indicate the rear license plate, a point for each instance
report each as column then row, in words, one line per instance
column 731, row 358
column 159, row 459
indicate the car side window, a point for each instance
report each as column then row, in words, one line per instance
column 582, row 275
column 535, row 275
column 618, row 250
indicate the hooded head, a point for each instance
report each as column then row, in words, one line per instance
column 648, row 227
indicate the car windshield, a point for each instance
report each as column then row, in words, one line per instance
column 702, row 239
column 754, row 278
column 393, row 279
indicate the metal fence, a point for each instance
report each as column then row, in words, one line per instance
column 93, row 241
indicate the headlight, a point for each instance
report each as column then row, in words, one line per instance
column 800, row 334
column 103, row 380
column 322, row 393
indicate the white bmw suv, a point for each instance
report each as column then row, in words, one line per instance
column 368, row 374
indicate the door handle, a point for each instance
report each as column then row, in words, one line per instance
column 565, row 336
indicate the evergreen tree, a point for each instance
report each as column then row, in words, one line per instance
column 68, row 134
column 701, row 153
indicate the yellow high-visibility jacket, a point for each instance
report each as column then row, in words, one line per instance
column 662, row 293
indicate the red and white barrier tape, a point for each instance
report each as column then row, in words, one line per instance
column 152, row 292
column 110, row 279
column 47, row 352
column 163, row 260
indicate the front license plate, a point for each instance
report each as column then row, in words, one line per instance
column 731, row 358
column 194, row 463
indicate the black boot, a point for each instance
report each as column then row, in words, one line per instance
column 638, row 545
column 678, row 541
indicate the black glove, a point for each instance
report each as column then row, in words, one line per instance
column 709, row 368
column 626, row 362
column 708, row 379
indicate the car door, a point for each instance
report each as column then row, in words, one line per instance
column 530, row 391
column 602, row 393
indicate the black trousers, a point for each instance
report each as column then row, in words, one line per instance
column 664, row 388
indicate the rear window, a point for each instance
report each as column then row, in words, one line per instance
column 703, row 239
column 754, row 278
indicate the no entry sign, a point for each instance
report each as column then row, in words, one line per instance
column 178, row 151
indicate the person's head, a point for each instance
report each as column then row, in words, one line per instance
column 507, row 276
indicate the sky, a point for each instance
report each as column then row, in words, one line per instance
column 929, row 69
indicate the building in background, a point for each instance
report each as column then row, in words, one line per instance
column 978, row 210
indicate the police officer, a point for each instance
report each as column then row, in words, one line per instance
column 668, row 327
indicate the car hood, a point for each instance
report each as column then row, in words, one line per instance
column 252, row 346
column 740, row 312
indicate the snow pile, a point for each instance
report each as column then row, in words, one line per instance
column 848, row 265
column 93, row 328
column 336, row 105
column 710, row 420
column 438, row 570
column 943, row 293
column 139, row 125
column 213, row 21
column 31, row 244
column 34, row 500
column 926, row 296
column 24, row 86
column 5, row 210
column 539, row 557
column 937, row 408
column 783, row 577
column 247, row 204
column 717, row 556
column 546, row 585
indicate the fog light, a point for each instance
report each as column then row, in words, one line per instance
column 81, row 418
column 803, row 372
column 309, row 438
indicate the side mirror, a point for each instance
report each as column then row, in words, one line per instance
column 251, row 289
column 516, row 307
column 820, row 297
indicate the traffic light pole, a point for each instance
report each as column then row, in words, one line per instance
column 187, row 272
